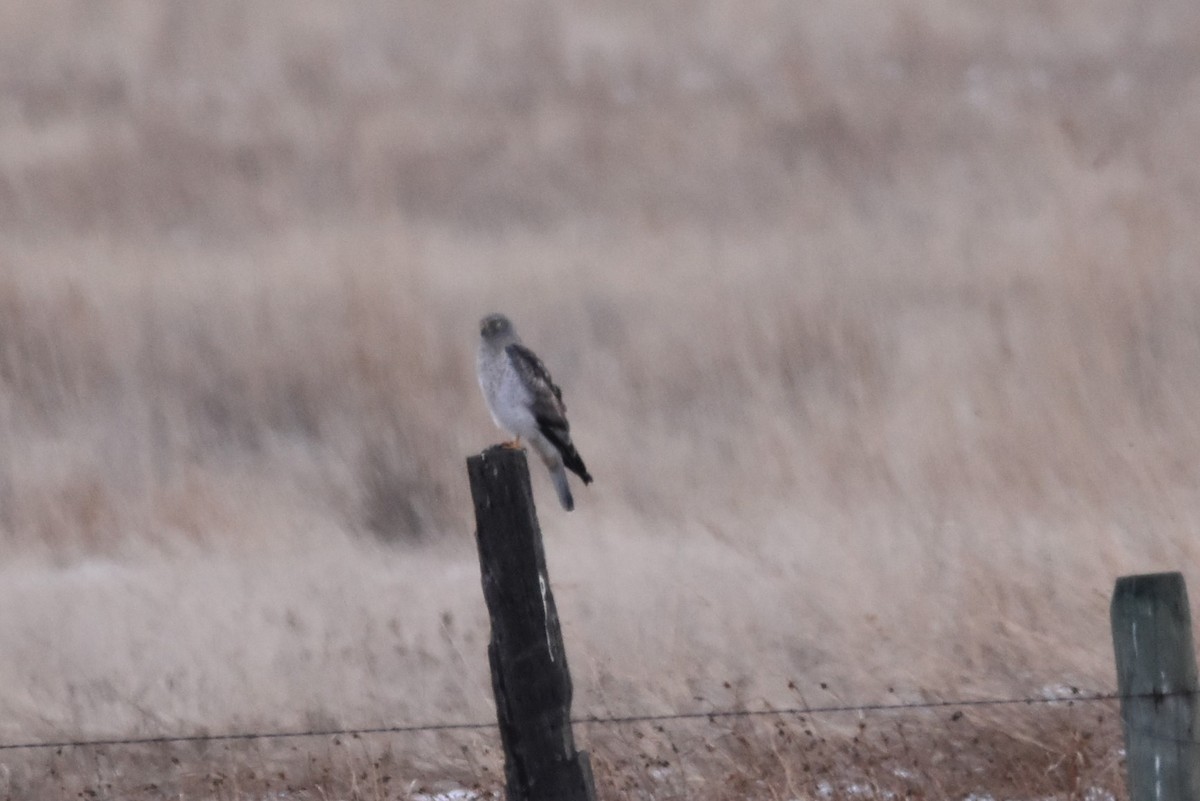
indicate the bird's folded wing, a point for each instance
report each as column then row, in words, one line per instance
column 547, row 407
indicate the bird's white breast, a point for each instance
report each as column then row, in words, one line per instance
column 507, row 397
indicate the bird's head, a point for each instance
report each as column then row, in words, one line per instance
column 494, row 327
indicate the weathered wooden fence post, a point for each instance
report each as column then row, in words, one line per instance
column 1156, row 678
column 529, row 665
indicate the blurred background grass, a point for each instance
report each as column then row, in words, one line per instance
column 879, row 327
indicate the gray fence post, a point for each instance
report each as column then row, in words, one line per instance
column 1156, row 677
column 529, row 665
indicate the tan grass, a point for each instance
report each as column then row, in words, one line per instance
column 878, row 328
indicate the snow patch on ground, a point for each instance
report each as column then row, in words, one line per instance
column 449, row 795
column 826, row 790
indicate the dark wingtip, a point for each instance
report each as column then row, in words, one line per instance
column 576, row 467
column 571, row 458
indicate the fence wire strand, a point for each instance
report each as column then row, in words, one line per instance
column 587, row 720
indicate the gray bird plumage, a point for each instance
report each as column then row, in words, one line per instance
column 526, row 402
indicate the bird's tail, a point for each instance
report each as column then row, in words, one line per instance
column 558, row 475
column 560, row 455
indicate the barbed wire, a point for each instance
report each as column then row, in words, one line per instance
column 844, row 708
column 598, row 720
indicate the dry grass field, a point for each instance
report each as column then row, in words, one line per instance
column 879, row 325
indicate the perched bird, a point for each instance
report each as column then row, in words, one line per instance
column 525, row 402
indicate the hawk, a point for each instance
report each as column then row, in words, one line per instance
column 525, row 402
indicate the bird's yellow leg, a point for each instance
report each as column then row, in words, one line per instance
column 512, row 444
